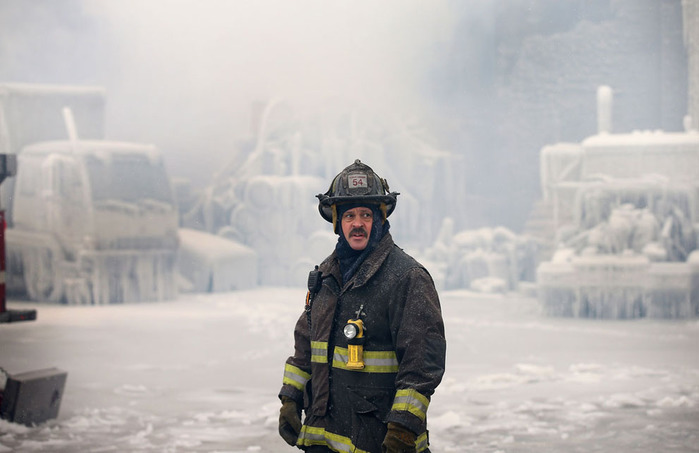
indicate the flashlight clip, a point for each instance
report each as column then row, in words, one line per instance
column 355, row 343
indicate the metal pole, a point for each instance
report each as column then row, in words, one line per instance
column 3, row 307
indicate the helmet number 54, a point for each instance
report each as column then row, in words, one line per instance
column 357, row 180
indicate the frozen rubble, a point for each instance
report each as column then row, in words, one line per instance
column 624, row 210
column 488, row 260
column 266, row 198
column 209, row 263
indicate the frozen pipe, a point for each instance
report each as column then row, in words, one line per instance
column 604, row 109
column 70, row 127
column 70, row 124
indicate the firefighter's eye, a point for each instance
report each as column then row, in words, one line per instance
column 350, row 331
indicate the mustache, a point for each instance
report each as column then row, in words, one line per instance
column 359, row 230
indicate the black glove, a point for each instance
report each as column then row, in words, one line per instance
column 399, row 439
column 289, row 420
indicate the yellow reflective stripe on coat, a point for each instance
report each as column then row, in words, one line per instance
column 411, row 401
column 421, row 442
column 319, row 351
column 311, row 435
column 295, row 376
column 374, row 361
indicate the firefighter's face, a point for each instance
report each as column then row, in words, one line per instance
column 356, row 226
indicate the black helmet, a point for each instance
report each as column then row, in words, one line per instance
column 356, row 184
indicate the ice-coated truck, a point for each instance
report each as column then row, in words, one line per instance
column 89, row 221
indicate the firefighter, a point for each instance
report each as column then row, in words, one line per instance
column 370, row 349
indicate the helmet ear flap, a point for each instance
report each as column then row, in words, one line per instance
column 335, row 226
column 383, row 208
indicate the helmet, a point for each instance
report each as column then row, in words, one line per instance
column 356, row 184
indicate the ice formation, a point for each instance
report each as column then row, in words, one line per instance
column 267, row 201
column 485, row 260
column 91, row 221
column 79, row 237
column 625, row 211
column 210, row 263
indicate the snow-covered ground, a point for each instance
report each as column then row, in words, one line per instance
column 201, row 374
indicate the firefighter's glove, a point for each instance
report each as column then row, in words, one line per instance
column 289, row 420
column 399, row 439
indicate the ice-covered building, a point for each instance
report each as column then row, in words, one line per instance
column 267, row 199
column 624, row 209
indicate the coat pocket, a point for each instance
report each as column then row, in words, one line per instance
column 370, row 408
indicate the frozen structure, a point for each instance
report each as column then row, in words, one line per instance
column 94, row 225
column 624, row 209
column 92, row 221
column 489, row 260
column 266, row 199
column 210, row 263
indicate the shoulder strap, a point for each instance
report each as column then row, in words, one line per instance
column 315, row 282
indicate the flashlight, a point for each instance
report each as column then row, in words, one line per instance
column 354, row 332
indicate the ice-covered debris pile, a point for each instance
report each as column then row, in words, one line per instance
column 618, row 286
column 209, row 263
column 625, row 240
column 265, row 197
column 625, row 211
column 627, row 253
column 273, row 215
column 648, row 217
column 629, row 256
column 484, row 260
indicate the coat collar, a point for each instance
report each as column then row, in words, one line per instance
column 366, row 270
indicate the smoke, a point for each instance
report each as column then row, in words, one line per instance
column 185, row 74
column 499, row 79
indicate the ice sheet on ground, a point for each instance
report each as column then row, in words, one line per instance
column 202, row 373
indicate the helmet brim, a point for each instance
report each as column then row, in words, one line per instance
column 326, row 203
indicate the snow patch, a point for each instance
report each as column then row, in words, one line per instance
column 681, row 401
column 525, row 374
column 12, row 428
column 623, row 401
column 447, row 420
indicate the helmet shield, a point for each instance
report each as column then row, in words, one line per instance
column 356, row 184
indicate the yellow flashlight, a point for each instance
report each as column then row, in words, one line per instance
column 354, row 332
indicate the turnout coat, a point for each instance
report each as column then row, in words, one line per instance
column 404, row 353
